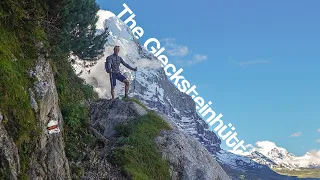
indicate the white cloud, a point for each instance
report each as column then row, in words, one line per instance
column 103, row 15
column 312, row 156
column 197, row 58
column 146, row 63
column 249, row 146
column 168, row 41
column 318, row 130
column 174, row 49
column 178, row 51
column 297, row 134
column 318, row 141
column 244, row 63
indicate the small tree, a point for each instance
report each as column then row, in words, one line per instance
column 74, row 28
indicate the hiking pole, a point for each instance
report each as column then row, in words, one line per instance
column 111, row 80
column 134, row 83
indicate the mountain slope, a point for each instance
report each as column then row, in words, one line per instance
column 132, row 134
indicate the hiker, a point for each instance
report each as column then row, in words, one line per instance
column 112, row 66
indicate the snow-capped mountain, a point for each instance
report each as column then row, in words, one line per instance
column 151, row 85
column 268, row 153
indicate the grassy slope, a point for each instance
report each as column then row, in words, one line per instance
column 303, row 173
column 136, row 151
column 73, row 93
column 14, row 98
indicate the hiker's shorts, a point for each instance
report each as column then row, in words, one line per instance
column 114, row 77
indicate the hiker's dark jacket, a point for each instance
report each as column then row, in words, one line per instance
column 114, row 60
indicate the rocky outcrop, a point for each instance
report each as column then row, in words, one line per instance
column 48, row 160
column 105, row 114
column 188, row 159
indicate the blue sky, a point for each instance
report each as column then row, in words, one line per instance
column 257, row 61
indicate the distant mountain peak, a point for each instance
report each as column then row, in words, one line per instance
column 278, row 157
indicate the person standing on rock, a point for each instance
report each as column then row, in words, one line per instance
column 112, row 65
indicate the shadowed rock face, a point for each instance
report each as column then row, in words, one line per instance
column 188, row 159
column 9, row 158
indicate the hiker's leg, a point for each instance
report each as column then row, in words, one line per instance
column 127, row 84
column 123, row 79
column 112, row 83
column 112, row 93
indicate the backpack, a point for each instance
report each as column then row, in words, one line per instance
column 107, row 68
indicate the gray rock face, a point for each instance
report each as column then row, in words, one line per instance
column 33, row 102
column 48, row 160
column 98, row 167
column 188, row 159
column 9, row 157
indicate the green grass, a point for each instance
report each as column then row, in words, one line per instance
column 136, row 151
column 303, row 173
column 136, row 101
